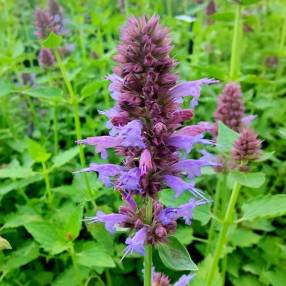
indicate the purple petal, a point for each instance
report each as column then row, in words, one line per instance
column 186, row 142
column 197, row 129
column 167, row 215
column 184, row 280
column 110, row 220
column 248, row 119
column 130, row 180
column 101, row 143
column 179, row 186
column 190, row 88
column 105, row 171
column 115, row 86
column 145, row 162
column 136, row 243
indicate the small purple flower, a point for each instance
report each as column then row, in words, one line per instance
column 136, row 243
column 115, row 86
column 101, row 143
column 192, row 88
column 194, row 130
column 105, row 171
column 179, row 186
column 145, row 162
column 110, row 220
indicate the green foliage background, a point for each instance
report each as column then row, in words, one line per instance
column 43, row 203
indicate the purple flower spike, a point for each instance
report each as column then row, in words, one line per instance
column 184, row 280
column 192, row 88
column 46, row 58
column 136, row 243
column 110, row 220
column 129, row 180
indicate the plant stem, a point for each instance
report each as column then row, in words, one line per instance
column 281, row 47
column 74, row 104
column 235, row 51
column 148, row 248
column 47, row 182
column 218, row 192
column 108, row 278
column 222, row 240
column 56, row 135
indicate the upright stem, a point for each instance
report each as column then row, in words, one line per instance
column 234, row 61
column 56, row 135
column 222, row 240
column 47, row 182
column 74, row 103
column 148, row 248
column 281, row 47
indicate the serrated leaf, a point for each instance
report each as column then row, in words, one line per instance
column 64, row 157
column 225, row 138
column 4, row 244
column 16, row 173
column 251, row 180
column 46, row 93
column 175, row 256
column 53, row 41
column 49, row 237
column 21, row 257
column 94, row 255
column 69, row 276
column 267, row 207
column 243, row 238
column 37, row 151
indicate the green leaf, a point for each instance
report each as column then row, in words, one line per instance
column 184, row 234
column 249, row 2
column 244, row 238
column 267, row 207
column 225, row 138
column 53, row 41
column 37, row 151
column 15, row 173
column 94, row 255
column 45, row 93
column 64, row 157
column 251, row 180
column 5, row 88
column 48, row 235
column 8, row 187
column 21, row 257
column 202, row 213
column 69, row 276
column 4, row 244
column 175, row 256
column 274, row 278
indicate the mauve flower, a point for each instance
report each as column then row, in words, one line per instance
column 160, row 279
column 184, row 280
column 46, row 58
column 246, row 147
column 28, row 78
column 146, row 129
column 43, row 24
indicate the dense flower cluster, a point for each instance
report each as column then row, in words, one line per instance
column 230, row 108
column 145, row 128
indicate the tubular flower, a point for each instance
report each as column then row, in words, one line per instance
column 160, row 279
column 230, row 109
column 145, row 128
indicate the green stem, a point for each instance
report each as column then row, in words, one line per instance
column 235, row 49
column 148, row 248
column 56, row 134
column 222, row 240
column 281, row 47
column 47, row 182
column 218, row 191
column 74, row 262
column 74, row 104
column 108, row 278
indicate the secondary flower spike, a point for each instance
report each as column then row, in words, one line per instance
column 146, row 130
column 230, row 108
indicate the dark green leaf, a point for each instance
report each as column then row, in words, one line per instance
column 175, row 256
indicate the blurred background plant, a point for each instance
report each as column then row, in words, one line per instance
column 45, row 109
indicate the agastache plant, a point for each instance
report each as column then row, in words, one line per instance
column 146, row 130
